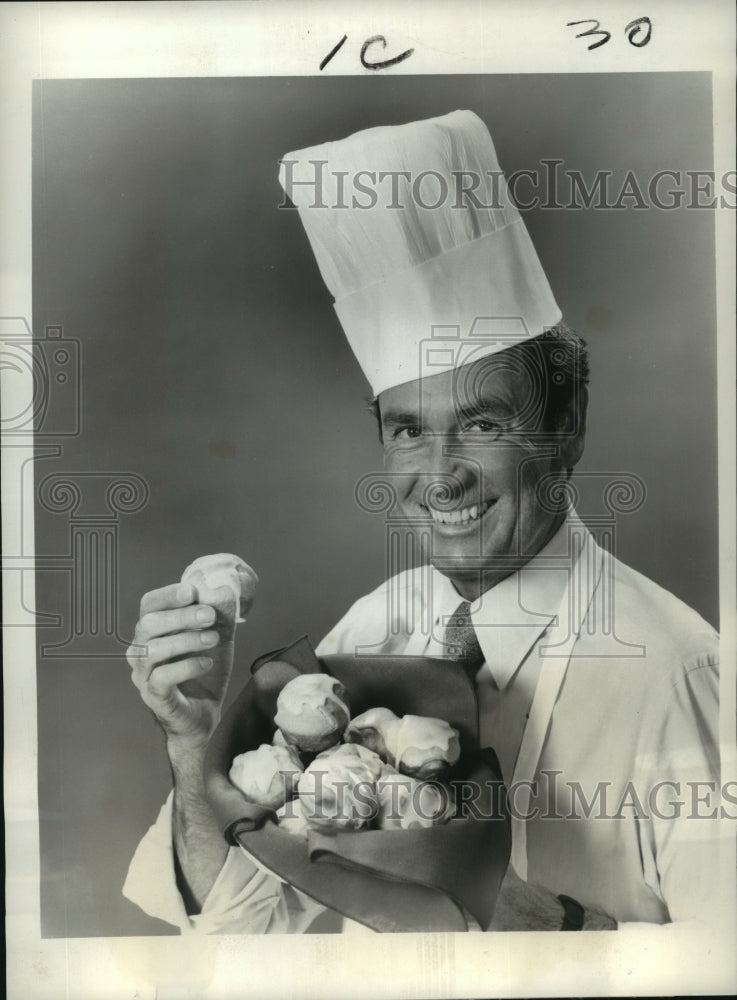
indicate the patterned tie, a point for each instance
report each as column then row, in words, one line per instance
column 461, row 642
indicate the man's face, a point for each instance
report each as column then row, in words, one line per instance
column 467, row 453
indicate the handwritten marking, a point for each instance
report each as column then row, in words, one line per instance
column 386, row 62
column 332, row 52
column 596, row 30
column 634, row 27
column 632, row 30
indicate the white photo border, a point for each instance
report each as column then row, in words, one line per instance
column 75, row 40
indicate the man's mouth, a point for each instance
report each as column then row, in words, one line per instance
column 466, row 515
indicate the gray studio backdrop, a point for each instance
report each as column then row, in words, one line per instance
column 216, row 383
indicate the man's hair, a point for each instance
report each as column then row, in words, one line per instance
column 559, row 358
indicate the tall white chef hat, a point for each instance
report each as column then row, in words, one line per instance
column 418, row 240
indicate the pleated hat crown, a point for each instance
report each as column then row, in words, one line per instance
column 418, row 240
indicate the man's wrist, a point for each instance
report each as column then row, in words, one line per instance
column 573, row 914
column 578, row 918
column 187, row 770
column 186, row 755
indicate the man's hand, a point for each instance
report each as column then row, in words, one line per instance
column 525, row 907
column 181, row 659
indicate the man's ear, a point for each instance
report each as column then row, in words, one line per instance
column 572, row 429
column 372, row 404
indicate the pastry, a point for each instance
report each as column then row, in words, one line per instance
column 338, row 789
column 423, row 747
column 371, row 729
column 312, row 711
column 406, row 803
column 267, row 776
column 209, row 573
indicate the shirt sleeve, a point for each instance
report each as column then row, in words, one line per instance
column 240, row 902
column 683, row 839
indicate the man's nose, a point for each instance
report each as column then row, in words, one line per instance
column 446, row 458
column 448, row 453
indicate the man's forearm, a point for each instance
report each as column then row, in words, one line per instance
column 524, row 907
column 199, row 847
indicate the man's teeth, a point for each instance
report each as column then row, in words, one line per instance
column 472, row 513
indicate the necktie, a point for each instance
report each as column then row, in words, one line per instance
column 461, row 642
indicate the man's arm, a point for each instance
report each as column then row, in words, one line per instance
column 181, row 660
column 199, row 847
column 680, row 839
column 680, row 755
column 524, row 907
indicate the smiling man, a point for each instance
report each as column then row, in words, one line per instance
column 596, row 688
column 468, row 451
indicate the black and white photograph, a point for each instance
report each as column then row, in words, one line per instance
column 368, row 501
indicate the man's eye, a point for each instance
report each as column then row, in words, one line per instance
column 407, row 432
column 485, row 427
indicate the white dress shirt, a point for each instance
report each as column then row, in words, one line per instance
column 598, row 687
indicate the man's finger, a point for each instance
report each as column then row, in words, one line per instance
column 146, row 658
column 170, row 675
column 189, row 619
column 176, row 595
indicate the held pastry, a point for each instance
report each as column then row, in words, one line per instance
column 268, row 776
column 423, row 747
column 312, row 711
column 406, row 803
column 208, row 573
column 371, row 729
column 339, row 789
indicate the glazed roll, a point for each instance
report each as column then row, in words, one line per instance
column 406, row 803
column 423, row 747
column 371, row 729
column 209, row 573
column 312, row 711
column 339, row 788
column 351, row 752
column 267, row 776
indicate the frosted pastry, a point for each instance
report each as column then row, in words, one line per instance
column 267, row 776
column 291, row 818
column 406, row 803
column 339, row 789
column 350, row 752
column 208, row 573
column 312, row 711
column 422, row 747
column 371, row 728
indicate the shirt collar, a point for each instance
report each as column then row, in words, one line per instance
column 511, row 616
